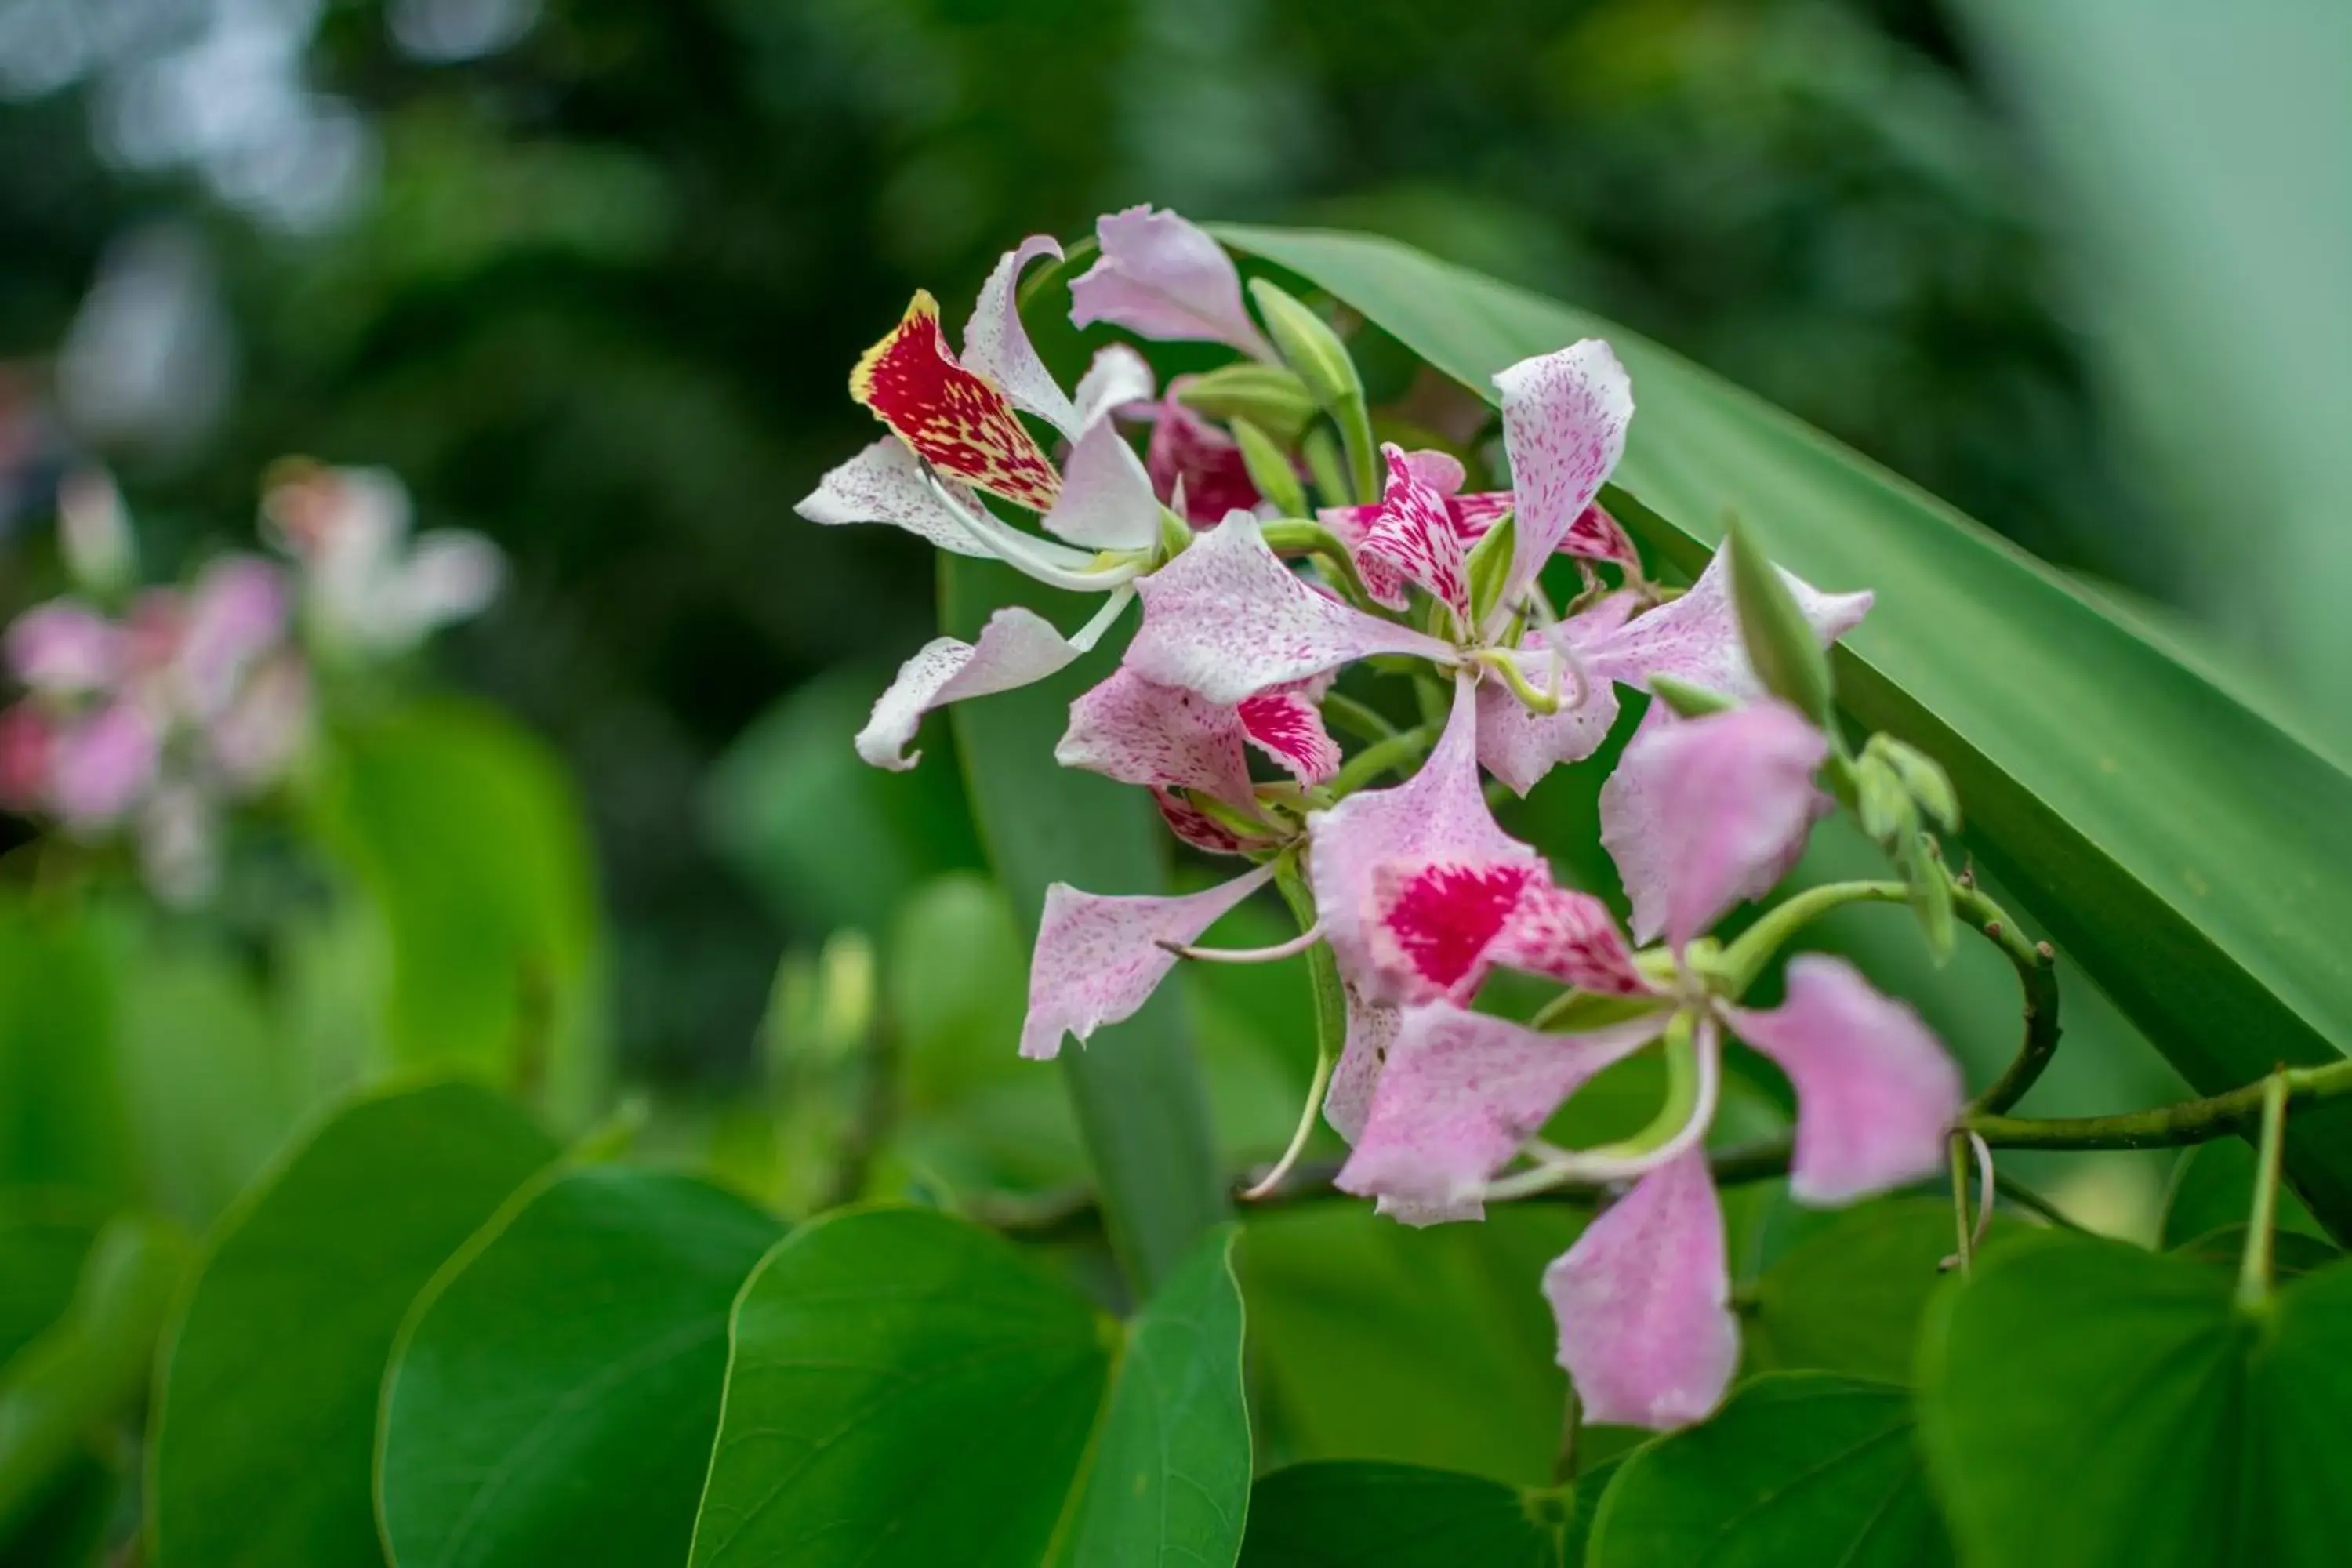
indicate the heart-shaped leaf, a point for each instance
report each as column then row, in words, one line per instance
column 906, row 1388
column 1352, row 1514
column 1850, row 1297
column 2086, row 1402
column 555, row 1390
column 1797, row 1467
column 260, row 1453
column 2164, row 833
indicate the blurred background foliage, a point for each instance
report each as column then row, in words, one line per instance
column 589, row 275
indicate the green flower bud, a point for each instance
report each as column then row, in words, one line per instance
column 1690, row 701
column 1489, row 567
column 1268, row 395
column 1883, row 805
column 1310, row 348
column 1269, row 468
column 1780, row 642
column 1923, row 777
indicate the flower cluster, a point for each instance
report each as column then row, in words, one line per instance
column 185, row 700
column 1249, row 617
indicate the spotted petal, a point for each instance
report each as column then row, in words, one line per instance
column 1703, row 813
column 1098, row 958
column 1371, row 1033
column 960, row 422
column 1413, row 529
column 1564, row 420
column 1571, row 937
column 1433, row 921
column 1462, row 1091
column 1227, row 618
column 1193, row 462
column 1876, row 1091
column 1439, row 812
column 885, row 483
column 1518, row 745
column 996, row 345
column 1140, row 732
column 1195, row 827
column 1160, row 276
column 1695, row 638
column 1643, row 1302
column 1119, row 378
column 1597, row 536
column 1017, row 647
column 1287, row 726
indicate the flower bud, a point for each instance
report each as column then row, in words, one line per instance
column 94, row 533
column 1489, row 567
column 1269, row 468
column 1310, row 348
column 1887, row 811
column 1923, row 777
column 1268, row 395
column 1688, row 700
column 1780, row 642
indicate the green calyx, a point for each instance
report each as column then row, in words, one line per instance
column 1269, row 397
column 1780, row 640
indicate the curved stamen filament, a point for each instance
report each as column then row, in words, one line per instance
column 1298, row 1137
column 1056, row 565
column 1694, row 1074
column 1279, row 951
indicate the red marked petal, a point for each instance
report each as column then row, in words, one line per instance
column 1415, row 530
column 1597, row 536
column 1434, row 922
column 1289, row 727
column 960, row 422
column 1572, row 938
column 1193, row 825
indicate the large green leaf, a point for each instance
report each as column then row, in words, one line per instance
column 1139, row 1100
column 908, row 1389
column 555, row 1392
column 2174, row 843
column 1797, row 1467
column 1367, row 1515
column 61, row 1119
column 44, row 1235
column 467, row 836
column 2087, row 1403
column 2214, row 1186
column 263, row 1436
column 1850, row 1297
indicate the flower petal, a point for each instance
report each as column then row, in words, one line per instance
column 1371, row 1033
column 1098, row 958
column 1160, row 276
column 1476, row 515
column 1571, row 936
column 1289, row 727
column 1433, row 920
column 1643, row 1302
column 1227, row 618
column 1876, row 1091
column 1017, row 647
column 958, row 423
column 885, row 483
column 1439, row 812
column 996, row 345
column 258, row 738
column 1564, row 420
column 1106, row 502
column 1695, row 638
column 1597, row 536
column 1704, row 813
column 65, row 648
column 100, row 764
column 1195, row 827
column 1412, row 528
column 1462, row 1091
column 1187, row 454
column 1140, row 732
column 235, row 613
column 1118, row 378
column 1518, row 745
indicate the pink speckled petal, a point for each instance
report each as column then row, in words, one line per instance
column 1597, row 536
column 1188, row 454
column 1289, row 727
column 1432, row 920
column 885, row 483
column 1098, row 958
column 1017, row 647
column 1140, row 732
column 102, row 763
column 1476, row 515
column 1570, row 936
column 1439, row 812
column 1695, row 638
column 1384, row 580
column 1643, row 1302
column 1195, row 827
column 1564, row 420
column 1707, row 812
column 1371, row 1032
column 1876, row 1091
column 1413, row 529
column 65, row 648
column 1518, row 745
column 1160, row 276
column 996, row 345
column 1106, row 502
column 1227, row 618
column 1462, row 1091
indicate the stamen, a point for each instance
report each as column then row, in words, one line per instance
column 1056, row 565
column 1280, row 950
column 1555, row 638
column 1618, row 1162
column 1267, row 1184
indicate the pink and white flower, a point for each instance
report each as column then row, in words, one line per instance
column 367, row 585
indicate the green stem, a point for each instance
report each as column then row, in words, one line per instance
column 1297, row 536
column 1404, row 746
column 2166, row 1126
column 1956, row 1151
column 2254, row 1274
column 1355, row 423
column 1330, row 1016
column 1745, row 959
